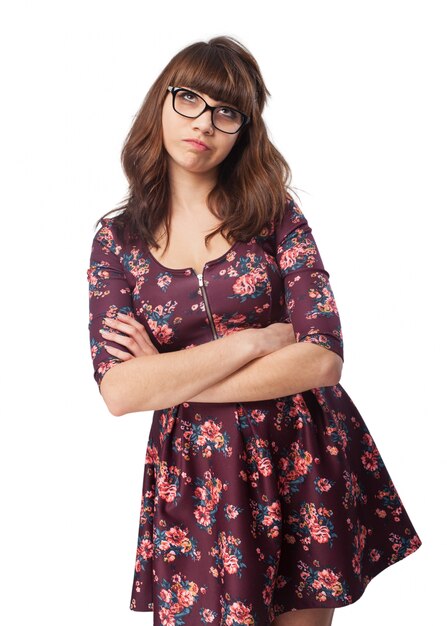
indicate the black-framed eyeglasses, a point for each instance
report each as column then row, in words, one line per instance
column 189, row 104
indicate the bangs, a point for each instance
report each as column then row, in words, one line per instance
column 211, row 71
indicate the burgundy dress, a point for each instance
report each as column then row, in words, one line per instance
column 248, row 509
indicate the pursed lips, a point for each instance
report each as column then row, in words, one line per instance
column 197, row 142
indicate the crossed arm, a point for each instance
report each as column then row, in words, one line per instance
column 292, row 369
column 158, row 381
column 233, row 368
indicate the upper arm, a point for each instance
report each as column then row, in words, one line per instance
column 109, row 293
column 308, row 295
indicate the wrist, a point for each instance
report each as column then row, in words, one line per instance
column 252, row 342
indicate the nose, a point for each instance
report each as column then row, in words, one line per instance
column 203, row 122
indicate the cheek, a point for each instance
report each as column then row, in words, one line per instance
column 228, row 143
column 229, row 147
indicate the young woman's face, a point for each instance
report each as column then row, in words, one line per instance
column 177, row 129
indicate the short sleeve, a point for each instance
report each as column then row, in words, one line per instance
column 109, row 293
column 308, row 295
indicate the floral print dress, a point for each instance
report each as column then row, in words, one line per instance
column 248, row 509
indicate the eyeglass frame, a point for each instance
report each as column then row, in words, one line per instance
column 245, row 118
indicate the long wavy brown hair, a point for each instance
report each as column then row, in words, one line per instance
column 252, row 184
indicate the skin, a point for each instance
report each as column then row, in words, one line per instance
column 192, row 175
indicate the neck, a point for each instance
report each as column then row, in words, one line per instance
column 189, row 190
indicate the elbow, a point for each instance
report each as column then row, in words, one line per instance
column 110, row 392
column 121, row 393
column 119, row 401
column 332, row 369
column 115, row 410
column 112, row 405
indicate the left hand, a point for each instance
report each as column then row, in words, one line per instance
column 137, row 341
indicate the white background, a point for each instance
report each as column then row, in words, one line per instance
column 358, row 108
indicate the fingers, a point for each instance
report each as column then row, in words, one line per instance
column 131, row 326
column 135, row 337
column 124, row 356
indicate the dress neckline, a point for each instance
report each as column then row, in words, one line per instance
column 182, row 270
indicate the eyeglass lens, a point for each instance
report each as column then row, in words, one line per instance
column 189, row 104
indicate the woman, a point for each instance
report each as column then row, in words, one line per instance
column 265, row 499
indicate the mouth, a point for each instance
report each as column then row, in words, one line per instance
column 198, row 144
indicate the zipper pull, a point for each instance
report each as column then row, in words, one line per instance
column 200, row 277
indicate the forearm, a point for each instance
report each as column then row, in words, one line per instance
column 162, row 380
column 292, row 369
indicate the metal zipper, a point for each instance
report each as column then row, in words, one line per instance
column 207, row 306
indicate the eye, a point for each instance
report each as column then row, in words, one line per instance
column 188, row 96
column 229, row 112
